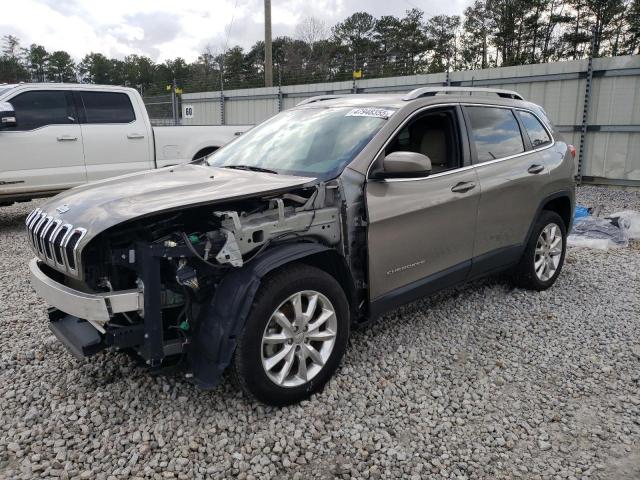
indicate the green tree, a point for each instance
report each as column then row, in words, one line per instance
column 414, row 43
column 506, row 21
column 12, row 67
column 475, row 40
column 577, row 36
column 388, row 36
column 37, row 59
column 236, row 72
column 632, row 42
column 61, row 67
column 11, row 46
column 139, row 72
column 604, row 13
column 95, row 68
column 357, row 34
column 441, row 32
column 555, row 17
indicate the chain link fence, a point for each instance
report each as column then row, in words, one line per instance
column 165, row 109
column 162, row 109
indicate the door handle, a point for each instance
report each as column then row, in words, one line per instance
column 463, row 187
column 535, row 168
column 133, row 136
column 67, row 138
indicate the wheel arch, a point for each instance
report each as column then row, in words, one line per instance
column 223, row 318
column 204, row 151
column 562, row 206
column 563, row 200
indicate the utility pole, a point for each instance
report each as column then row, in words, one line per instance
column 268, row 59
column 174, row 102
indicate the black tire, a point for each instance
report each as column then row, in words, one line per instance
column 525, row 274
column 247, row 367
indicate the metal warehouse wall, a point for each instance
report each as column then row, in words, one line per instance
column 612, row 140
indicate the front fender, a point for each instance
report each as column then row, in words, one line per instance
column 221, row 321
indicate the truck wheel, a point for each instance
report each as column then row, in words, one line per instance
column 543, row 257
column 294, row 338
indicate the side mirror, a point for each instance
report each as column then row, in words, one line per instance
column 404, row 165
column 7, row 116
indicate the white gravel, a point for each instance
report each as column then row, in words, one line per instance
column 484, row 381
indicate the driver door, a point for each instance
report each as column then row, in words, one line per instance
column 421, row 230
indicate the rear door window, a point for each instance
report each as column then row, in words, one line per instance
column 495, row 132
column 107, row 107
column 38, row 109
column 537, row 133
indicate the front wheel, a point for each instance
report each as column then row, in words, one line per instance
column 295, row 336
column 543, row 257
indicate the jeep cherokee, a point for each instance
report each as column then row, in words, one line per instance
column 263, row 255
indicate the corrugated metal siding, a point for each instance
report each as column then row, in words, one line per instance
column 558, row 87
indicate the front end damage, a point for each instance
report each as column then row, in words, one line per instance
column 175, row 288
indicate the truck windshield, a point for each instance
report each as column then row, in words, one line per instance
column 313, row 142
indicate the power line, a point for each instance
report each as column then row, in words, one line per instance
column 233, row 14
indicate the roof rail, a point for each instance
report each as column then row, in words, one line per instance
column 431, row 91
column 319, row 98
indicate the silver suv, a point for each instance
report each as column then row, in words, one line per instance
column 263, row 255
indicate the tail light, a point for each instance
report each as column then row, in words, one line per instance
column 572, row 150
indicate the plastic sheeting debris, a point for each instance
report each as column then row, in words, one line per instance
column 600, row 233
column 629, row 221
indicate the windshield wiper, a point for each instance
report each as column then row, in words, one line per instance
column 250, row 168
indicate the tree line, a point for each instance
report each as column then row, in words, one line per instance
column 490, row 33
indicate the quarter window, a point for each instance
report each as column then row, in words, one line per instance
column 40, row 108
column 107, row 107
column 495, row 132
column 537, row 133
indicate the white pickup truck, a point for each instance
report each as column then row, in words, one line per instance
column 57, row 136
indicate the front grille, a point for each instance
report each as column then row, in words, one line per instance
column 55, row 242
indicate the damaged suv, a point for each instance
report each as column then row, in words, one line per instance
column 261, row 257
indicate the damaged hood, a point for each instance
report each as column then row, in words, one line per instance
column 100, row 205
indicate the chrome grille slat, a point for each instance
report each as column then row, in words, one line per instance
column 41, row 234
column 36, row 232
column 50, row 237
column 58, row 237
column 30, row 226
column 48, row 240
column 29, row 222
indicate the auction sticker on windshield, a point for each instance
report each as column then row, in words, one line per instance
column 370, row 112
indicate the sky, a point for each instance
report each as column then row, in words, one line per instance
column 163, row 29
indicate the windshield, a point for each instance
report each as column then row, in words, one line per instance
column 312, row 142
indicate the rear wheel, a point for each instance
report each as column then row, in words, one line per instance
column 543, row 257
column 204, row 152
column 295, row 336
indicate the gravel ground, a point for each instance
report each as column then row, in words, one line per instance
column 483, row 381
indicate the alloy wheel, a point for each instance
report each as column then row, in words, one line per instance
column 548, row 252
column 299, row 338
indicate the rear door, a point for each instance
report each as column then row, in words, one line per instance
column 43, row 153
column 512, row 176
column 115, row 138
column 421, row 230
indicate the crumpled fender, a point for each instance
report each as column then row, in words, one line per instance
column 221, row 321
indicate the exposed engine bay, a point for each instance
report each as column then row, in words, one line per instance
column 196, row 248
column 175, row 287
